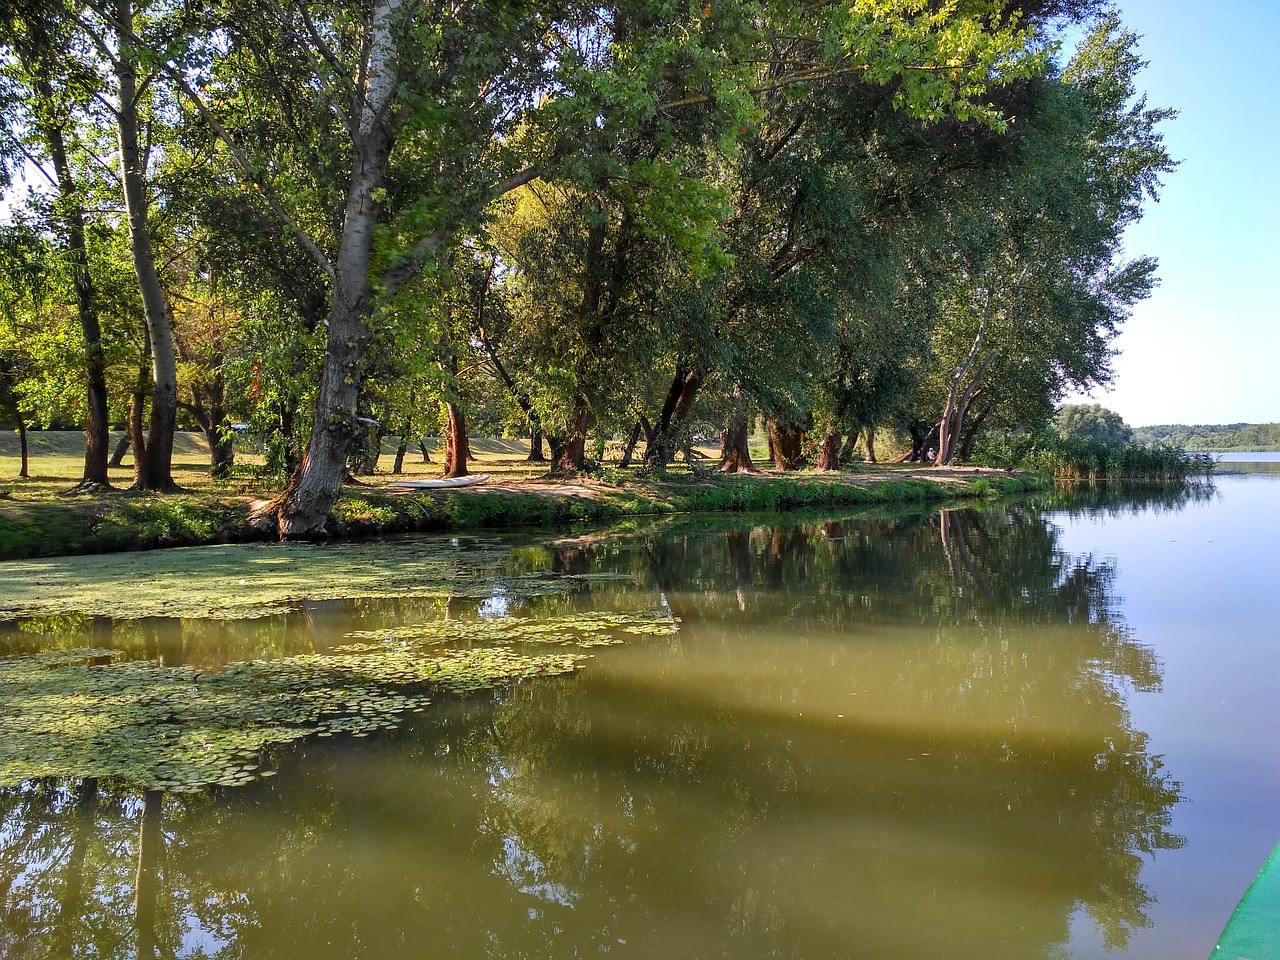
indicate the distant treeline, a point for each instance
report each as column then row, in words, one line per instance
column 1212, row 436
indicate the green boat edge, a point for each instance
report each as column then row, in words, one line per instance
column 1253, row 932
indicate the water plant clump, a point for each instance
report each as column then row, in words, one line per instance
column 587, row 629
column 80, row 714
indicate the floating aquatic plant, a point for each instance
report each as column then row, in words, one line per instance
column 82, row 713
column 78, row 714
column 586, row 629
column 257, row 580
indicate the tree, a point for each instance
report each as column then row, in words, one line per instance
column 1092, row 421
column 52, row 94
column 418, row 116
column 1038, row 285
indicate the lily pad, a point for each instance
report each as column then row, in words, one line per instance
column 586, row 629
column 69, row 714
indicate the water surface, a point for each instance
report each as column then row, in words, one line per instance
column 1043, row 729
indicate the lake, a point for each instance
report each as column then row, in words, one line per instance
column 1041, row 728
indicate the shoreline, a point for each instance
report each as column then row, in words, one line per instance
column 122, row 521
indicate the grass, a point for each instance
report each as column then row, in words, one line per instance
column 36, row 519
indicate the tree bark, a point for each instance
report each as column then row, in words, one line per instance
column 569, row 456
column 966, row 444
column 666, row 441
column 426, row 454
column 397, row 467
column 208, row 407
column 137, row 407
column 303, row 509
column 829, row 451
column 849, row 448
column 24, row 472
column 314, row 487
column 788, row 445
column 155, row 458
column 97, row 430
column 735, row 451
column 629, row 450
column 457, row 448
column 871, row 445
column 117, row 458
column 537, row 453
column 948, row 425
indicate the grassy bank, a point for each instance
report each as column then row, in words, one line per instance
column 36, row 521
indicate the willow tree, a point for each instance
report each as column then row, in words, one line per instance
column 1039, row 283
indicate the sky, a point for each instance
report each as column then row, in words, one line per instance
column 1205, row 347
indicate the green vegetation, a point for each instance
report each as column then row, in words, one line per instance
column 1213, row 437
column 610, row 228
column 1092, row 422
column 1086, row 458
column 76, row 714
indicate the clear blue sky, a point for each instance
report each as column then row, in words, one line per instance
column 1205, row 348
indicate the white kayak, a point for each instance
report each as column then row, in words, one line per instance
column 443, row 483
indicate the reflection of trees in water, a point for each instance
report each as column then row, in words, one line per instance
column 1121, row 499
column 708, row 802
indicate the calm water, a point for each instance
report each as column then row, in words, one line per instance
column 1039, row 730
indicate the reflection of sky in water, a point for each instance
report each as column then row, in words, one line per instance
column 1201, row 587
column 499, row 605
column 524, row 871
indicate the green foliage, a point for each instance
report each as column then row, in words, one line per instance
column 1229, row 436
column 1092, row 421
column 1084, row 458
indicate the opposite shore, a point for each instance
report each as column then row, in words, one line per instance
column 121, row 520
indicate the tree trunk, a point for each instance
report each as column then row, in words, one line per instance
column 137, row 407
column 314, row 487
column 949, row 425
column 426, row 454
column 24, row 472
column 629, row 450
column 871, row 445
column 829, row 452
column 222, row 452
column 735, row 452
column 570, row 455
column 117, row 458
column 676, row 408
column 848, row 449
column 788, row 445
column 97, row 429
column 303, row 509
column 966, row 444
column 457, row 449
column 208, row 408
column 397, row 467
column 537, row 454
column 155, row 459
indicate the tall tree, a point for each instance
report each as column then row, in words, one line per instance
column 38, row 42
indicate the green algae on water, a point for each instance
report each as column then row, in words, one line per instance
column 77, row 714
column 258, row 580
column 82, row 713
column 586, row 629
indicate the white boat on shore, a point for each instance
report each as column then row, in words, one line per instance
column 441, row 483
